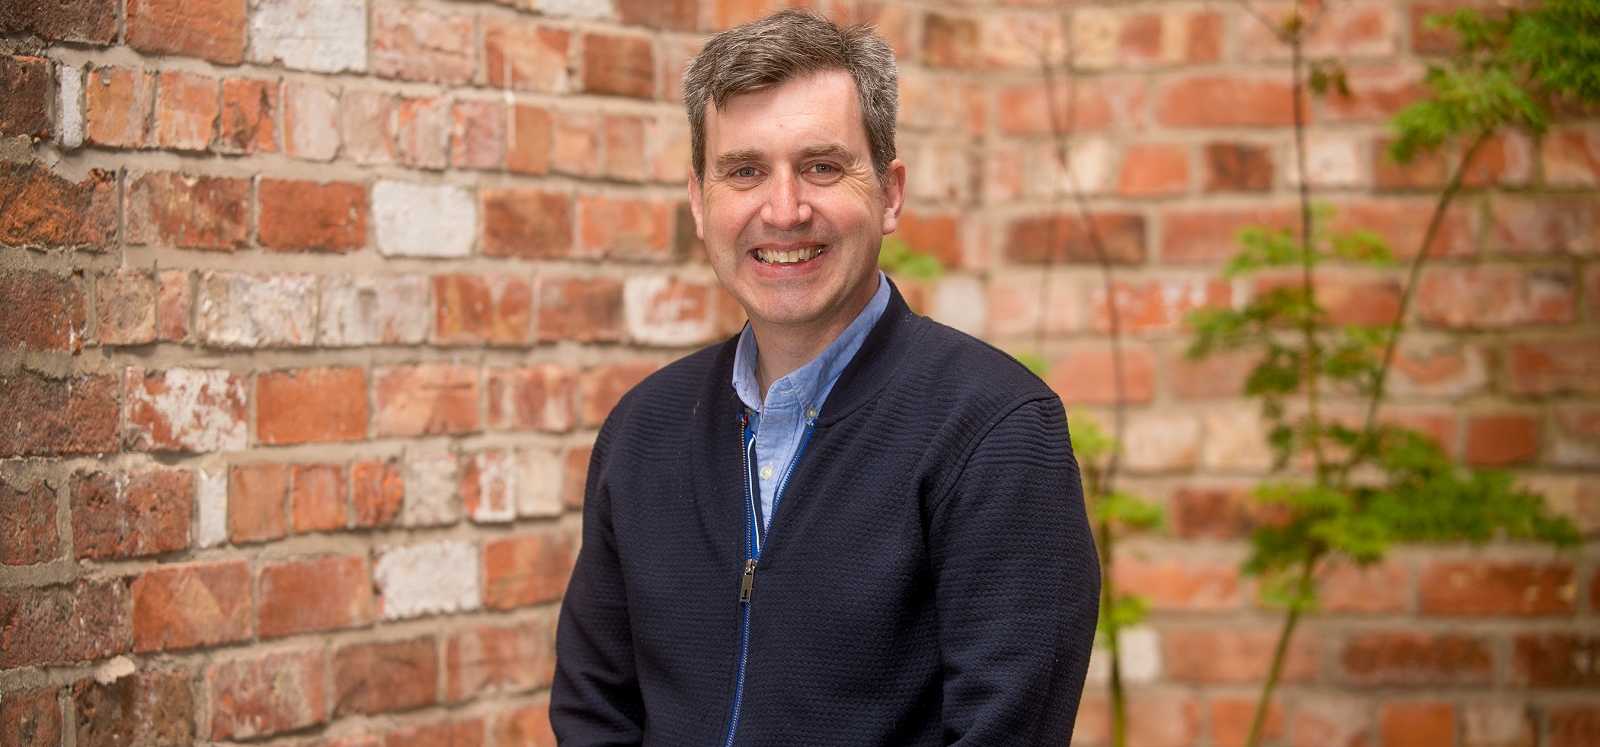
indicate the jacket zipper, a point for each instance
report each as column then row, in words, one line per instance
column 753, row 547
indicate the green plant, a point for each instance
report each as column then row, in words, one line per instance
column 896, row 257
column 1369, row 485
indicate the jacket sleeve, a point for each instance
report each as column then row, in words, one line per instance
column 595, row 699
column 1017, row 584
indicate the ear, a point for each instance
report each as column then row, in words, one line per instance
column 696, row 208
column 894, row 195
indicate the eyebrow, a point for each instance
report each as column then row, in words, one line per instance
column 746, row 155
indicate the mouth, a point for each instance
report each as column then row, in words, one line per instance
column 790, row 255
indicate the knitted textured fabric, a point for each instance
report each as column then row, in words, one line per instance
column 929, row 578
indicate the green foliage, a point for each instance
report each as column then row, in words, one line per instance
column 1125, row 611
column 898, row 258
column 1034, row 362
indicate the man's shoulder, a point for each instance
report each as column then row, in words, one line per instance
column 971, row 369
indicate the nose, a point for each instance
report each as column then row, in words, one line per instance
column 786, row 206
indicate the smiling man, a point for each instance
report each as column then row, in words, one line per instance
column 848, row 525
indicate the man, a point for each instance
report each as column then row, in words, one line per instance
column 849, row 525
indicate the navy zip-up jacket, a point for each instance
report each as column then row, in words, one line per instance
column 929, row 580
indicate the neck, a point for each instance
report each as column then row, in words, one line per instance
column 786, row 347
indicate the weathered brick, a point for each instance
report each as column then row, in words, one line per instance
column 317, row 497
column 430, row 487
column 675, row 15
column 575, row 471
column 119, row 105
column 1577, row 441
column 374, row 310
column 463, row 733
column 1154, row 169
column 1555, row 660
column 198, row 604
column 310, row 120
column 239, row 310
column 306, row 596
column 1211, row 586
column 1488, row 297
column 1413, row 658
column 489, row 486
column 1506, row 723
column 1383, row 587
column 174, row 305
column 377, row 492
column 267, row 694
column 248, row 122
column 44, row 209
column 626, row 229
column 150, row 707
column 1089, row 376
column 42, row 416
column 1554, row 366
column 582, row 309
column 69, row 106
column 526, row 56
column 1571, row 156
column 187, row 109
column 428, row 578
column 541, row 480
column 29, row 90
column 529, row 140
column 368, row 127
column 1215, row 513
column 88, row 21
column 212, row 30
column 1574, row 725
column 426, row 399
column 624, row 139
column 575, row 145
column 1403, row 222
column 600, row 388
column 385, row 676
column 617, row 65
column 414, row 43
column 1438, row 368
column 477, row 134
column 311, row 405
column 1161, row 442
column 1498, row 588
column 257, row 502
column 1543, row 224
column 184, row 410
column 1502, row 440
column 64, row 624
column 421, row 132
column 325, row 36
column 476, row 309
column 1417, row 724
column 1346, row 298
column 1066, row 238
column 30, row 718
column 45, row 311
column 538, row 397
column 668, row 311
column 529, row 568
column 132, row 515
column 1224, row 101
column 1231, row 719
column 28, row 531
column 1211, row 234
column 125, row 307
column 1157, row 305
column 526, row 223
column 188, row 212
column 304, row 215
column 1234, row 655
column 1336, row 720
column 529, row 725
column 423, row 220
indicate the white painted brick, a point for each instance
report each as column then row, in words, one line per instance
column 960, row 301
column 311, row 120
column 434, row 577
column 185, row 409
column 1161, row 441
column 375, row 310
column 239, row 310
column 662, row 310
column 540, row 480
column 1140, row 654
column 430, row 480
column 1488, row 724
column 496, row 487
column 1332, row 160
column 576, row 8
column 424, row 220
column 212, row 520
column 325, row 36
column 69, row 103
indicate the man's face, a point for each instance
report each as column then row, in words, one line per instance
column 790, row 210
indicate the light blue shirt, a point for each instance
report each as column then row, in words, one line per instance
column 794, row 400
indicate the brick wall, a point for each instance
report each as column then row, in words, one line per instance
column 311, row 308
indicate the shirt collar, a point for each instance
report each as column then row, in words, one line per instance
column 811, row 382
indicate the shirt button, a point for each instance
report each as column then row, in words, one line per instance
column 811, row 413
column 766, row 472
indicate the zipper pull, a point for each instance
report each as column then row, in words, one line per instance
column 748, row 582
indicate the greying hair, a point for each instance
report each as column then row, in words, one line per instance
column 787, row 45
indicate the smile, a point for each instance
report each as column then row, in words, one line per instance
column 775, row 256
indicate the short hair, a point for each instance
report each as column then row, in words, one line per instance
column 784, row 46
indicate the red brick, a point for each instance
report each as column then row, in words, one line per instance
column 1418, row 724
column 414, row 43
column 1211, row 235
column 627, row 229
column 531, row 398
column 248, row 119
column 426, row 399
column 28, row 531
column 189, row 212
column 1383, row 587
column 45, row 311
column 600, row 388
column 377, row 493
column 187, row 109
column 1555, row 660
column 582, row 309
column 304, row 215
column 1231, row 719
column 1087, row 105
column 1331, row 721
column 528, row 569
column 89, row 21
column 119, row 105
column 366, row 127
column 1428, row 39
column 469, row 733
column 311, row 405
column 1220, row 375
column 1576, row 725
column 41, row 416
column 673, row 15
column 64, row 624
column 1425, row 170
column 183, row 410
column 528, row 146
column 933, row 234
column 1154, row 169
column 212, row 30
column 1209, row 586
column 1238, row 167
column 1496, row 297
column 47, row 210
column 949, row 41
column 500, row 659
column 1234, row 655
column 125, row 307
column 30, row 718
column 184, row 606
column 257, row 498
column 1221, row 101
column 1554, row 366
column 1065, row 238
column 29, row 90
column 527, row 726
column 149, row 707
column 1543, row 224
column 477, row 309
column 385, row 676
column 488, row 486
column 1403, row 222
column 1481, row 588
column 1405, row 658
column 1088, row 376
column 477, row 134
column 526, row 56
column 268, row 694
column 526, row 223
column 624, row 148
column 133, row 515
column 1502, row 440
column 317, row 498
column 1161, row 719
column 421, row 131
column 306, row 596
column 1571, row 156
column 1157, row 305
column 1215, row 513
column 575, row 143
column 575, row 471
column 1347, row 298
column 1504, row 159
column 174, row 303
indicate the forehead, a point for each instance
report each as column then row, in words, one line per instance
column 816, row 107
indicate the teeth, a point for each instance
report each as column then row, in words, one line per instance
column 788, row 256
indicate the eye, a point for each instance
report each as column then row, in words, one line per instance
column 825, row 171
column 743, row 172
